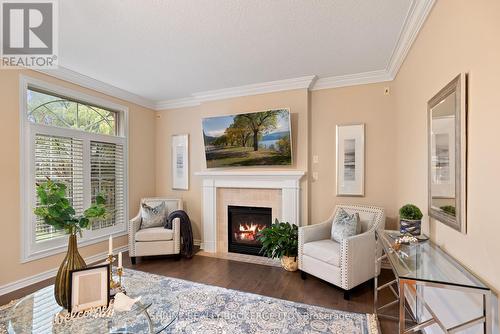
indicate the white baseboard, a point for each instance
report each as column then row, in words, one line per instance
column 197, row 242
column 24, row 282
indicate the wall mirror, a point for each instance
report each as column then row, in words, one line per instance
column 447, row 160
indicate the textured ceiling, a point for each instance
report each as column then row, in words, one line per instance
column 172, row 48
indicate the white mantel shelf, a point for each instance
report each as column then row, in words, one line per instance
column 286, row 180
column 281, row 173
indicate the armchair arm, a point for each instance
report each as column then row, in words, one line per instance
column 357, row 259
column 315, row 232
column 312, row 233
column 176, row 228
column 133, row 226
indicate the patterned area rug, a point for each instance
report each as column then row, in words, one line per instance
column 209, row 309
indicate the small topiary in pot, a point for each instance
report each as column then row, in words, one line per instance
column 410, row 218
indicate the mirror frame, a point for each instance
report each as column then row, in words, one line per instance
column 458, row 86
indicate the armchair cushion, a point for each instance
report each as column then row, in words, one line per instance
column 154, row 234
column 345, row 225
column 326, row 250
column 153, row 216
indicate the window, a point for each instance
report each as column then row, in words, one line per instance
column 44, row 108
column 78, row 140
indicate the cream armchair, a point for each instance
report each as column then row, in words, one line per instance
column 345, row 264
column 155, row 240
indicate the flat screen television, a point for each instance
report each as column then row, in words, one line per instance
column 250, row 139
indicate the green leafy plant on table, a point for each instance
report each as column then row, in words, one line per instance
column 410, row 218
column 56, row 210
column 410, row 212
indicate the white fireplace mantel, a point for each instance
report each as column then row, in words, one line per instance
column 286, row 180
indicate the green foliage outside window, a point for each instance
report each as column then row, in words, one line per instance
column 56, row 111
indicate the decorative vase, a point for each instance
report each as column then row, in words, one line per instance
column 289, row 263
column 72, row 261
column 410, row 226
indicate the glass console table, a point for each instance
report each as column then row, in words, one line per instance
column 426, row 264
column 35, row 313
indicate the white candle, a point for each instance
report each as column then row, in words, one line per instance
column 110, row 244
column 120, row 260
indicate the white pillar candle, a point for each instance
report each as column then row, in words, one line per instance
column 120, row 260
column 110, row 244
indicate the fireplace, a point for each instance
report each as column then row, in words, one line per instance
column 244, row 223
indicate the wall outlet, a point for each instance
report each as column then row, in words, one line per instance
column 315, row 176
column 315, row 159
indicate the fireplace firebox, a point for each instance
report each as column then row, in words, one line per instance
column 244, row 224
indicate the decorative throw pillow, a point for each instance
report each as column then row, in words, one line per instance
column 153, row 217
column 344, row 225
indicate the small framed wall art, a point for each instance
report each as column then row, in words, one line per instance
column 351, row 160
column 180, row 162
column 89, row 288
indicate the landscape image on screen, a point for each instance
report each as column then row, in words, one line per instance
column 251, row 139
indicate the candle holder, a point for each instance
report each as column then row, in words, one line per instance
column 119, row 271
column 112, row 284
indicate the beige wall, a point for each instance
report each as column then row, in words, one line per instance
column 459, row 36
column 141, row 174
column 188, row 120
column 358, row 104
column 314, row 116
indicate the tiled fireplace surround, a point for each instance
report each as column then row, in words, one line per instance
column 278, row 190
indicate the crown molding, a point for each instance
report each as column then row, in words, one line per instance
column 415, row 19
column 254, row 89
column 352, row 79
column 177, row 103
column 96, row 85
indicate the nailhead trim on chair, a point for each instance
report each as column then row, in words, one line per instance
column 345, row 263
column 301, row 247
column 132, row 229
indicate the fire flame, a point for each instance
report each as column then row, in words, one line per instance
column 248, row 231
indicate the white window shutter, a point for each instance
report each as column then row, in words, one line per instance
column 107, row 176
column 61, row 160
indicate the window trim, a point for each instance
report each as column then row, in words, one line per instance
column 29, row 249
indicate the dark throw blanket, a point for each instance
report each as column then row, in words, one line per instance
column 186, row 231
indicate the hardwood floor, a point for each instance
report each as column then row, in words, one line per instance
column 259, row 279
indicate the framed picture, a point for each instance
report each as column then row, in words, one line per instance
column 351, row 160
column 89, row 288
column 180, row 162
column 262, row 138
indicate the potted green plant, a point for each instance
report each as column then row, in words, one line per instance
column 280, row 241
column 56, row 210
column 410, row 218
